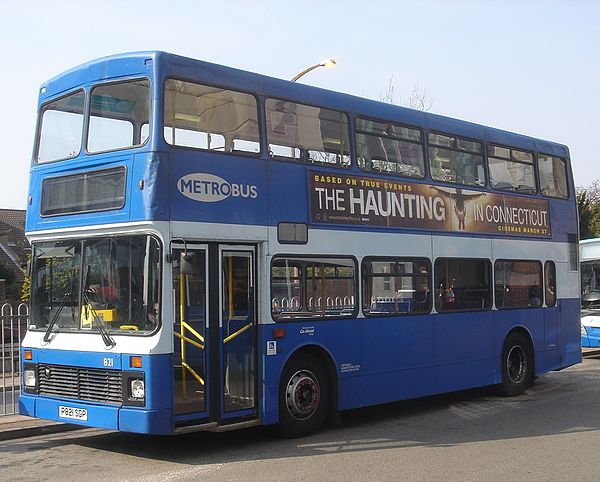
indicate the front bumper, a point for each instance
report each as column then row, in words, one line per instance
column 99, row 416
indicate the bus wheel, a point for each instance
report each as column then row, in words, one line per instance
column 516, row 365
column 303, row 396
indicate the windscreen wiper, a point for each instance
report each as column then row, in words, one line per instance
column 106, row 338
column 55, row 317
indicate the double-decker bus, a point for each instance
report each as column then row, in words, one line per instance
column 215, row 249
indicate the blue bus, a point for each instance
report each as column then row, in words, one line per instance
column 589, row 253
column 215, row 249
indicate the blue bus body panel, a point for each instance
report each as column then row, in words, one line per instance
column 380, row 360
column 339, row 340
column 570, row 333
column 135, row 64
column 161, row 166
column 242, row 179
column 154, row 417
column 590, row 339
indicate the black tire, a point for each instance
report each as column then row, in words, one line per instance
column 517, row 365
column 304, row 396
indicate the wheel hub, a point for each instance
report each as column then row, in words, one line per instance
column 516, row 364
column 302, row 395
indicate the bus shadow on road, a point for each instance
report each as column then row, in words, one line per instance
column 559, row 403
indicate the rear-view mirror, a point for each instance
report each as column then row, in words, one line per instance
column 186, row 263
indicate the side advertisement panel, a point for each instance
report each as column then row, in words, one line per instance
column 358, row 200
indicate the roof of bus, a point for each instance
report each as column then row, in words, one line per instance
column 165, row 65
column 589, row 249
column 590, row 241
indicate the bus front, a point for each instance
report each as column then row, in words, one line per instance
column 96, row 340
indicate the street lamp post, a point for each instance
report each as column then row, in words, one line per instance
column 326, row 63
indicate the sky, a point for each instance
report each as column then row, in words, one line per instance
column 528, row 66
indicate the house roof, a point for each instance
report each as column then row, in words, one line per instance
column 12, row 239
column 13, row 220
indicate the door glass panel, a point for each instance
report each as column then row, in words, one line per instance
column 189, row 357
column 238, row 330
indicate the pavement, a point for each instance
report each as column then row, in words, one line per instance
column 17, row 426
column 590, row 351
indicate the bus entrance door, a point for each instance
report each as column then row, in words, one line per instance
column 214, row 375
column 237, row 333
column 190, row 326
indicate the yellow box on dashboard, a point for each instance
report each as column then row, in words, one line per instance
column 88, row 313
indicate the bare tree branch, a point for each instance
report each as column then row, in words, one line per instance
column 420, row 99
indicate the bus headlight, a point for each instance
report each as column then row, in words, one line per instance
column 29, row 378
column 137, row 389
column 134, row 388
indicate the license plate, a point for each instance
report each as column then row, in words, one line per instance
column 72, row 413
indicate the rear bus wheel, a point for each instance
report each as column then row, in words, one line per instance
column 517, row 368
column 303, row 396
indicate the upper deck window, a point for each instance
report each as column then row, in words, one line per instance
column 210, row 118
column 511, row 169
column 553, row 176
column 453, row 159
column 309, row 134
column 119, row 115
column 390, row 148
column 61, row 128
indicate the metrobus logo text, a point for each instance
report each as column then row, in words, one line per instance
column 209, row 188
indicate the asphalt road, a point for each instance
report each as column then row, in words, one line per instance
column 550, row 433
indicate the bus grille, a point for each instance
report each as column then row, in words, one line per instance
column 92, row 384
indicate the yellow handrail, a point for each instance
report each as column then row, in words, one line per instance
column 182, row 327
column 185, row 367
column 189, row 340
column 194, row 332
column 237, row 333
column 230, row 284
column 194, row 374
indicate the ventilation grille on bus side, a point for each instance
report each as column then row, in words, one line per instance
column 92, row 384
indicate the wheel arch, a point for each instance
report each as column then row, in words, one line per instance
column 326, row 358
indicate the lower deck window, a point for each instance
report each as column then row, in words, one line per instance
column 550, row 282
column 462, row 284
column 309, row 287
column 518, row 284
column 396, row 286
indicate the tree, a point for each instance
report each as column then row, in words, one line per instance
column 420, row 99
column 25, row 287
column 12, row 287
column 588, row 205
